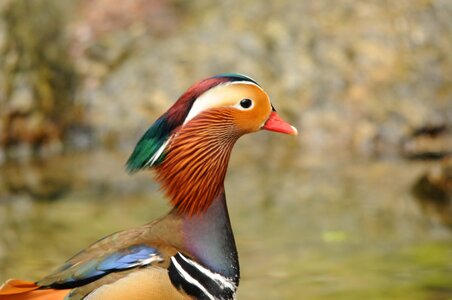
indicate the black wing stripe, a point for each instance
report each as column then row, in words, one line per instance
column 198, row 281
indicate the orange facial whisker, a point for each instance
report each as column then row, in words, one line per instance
column 194, row 168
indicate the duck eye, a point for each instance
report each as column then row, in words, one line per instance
column 246, row 103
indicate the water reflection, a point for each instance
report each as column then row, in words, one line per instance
column 308, row 226
column 433, row 190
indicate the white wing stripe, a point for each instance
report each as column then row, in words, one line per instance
column 190, row 279
column 221, row 280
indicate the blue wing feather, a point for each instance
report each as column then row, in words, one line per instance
column 69, row 274
column 121, row 260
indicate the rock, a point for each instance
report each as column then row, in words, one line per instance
column 37, row 78
column 429, row 142
column 354, row 75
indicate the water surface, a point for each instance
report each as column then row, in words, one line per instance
column 308, row 225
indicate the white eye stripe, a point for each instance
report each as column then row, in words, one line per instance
column 208, row 100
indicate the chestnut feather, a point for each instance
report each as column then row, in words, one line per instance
column 194, row 168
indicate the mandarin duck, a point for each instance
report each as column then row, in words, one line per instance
column 190, row 253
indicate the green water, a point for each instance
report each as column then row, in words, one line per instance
column 308, row 226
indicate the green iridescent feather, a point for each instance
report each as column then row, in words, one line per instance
column 148, row 145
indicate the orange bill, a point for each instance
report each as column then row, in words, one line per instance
column 277, row 124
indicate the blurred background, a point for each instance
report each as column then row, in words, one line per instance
column 357, row 206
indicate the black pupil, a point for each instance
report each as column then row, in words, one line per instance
column 246, row 103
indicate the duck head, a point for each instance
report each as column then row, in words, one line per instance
column 189, row 145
